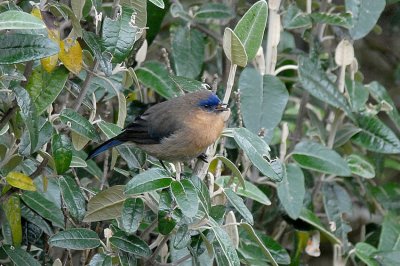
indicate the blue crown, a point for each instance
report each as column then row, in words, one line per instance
column 212, row 100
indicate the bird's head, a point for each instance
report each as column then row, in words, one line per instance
column 211, row 103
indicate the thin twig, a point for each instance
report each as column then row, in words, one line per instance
column 40, row 168
column 152, row 258
column 105, row 170
column 8, row 115
column 149, row 229
column 297, row 134
column 209, row 32
column 175, row 263
column 85, row 86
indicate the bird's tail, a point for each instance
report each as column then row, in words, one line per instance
column 103, row 147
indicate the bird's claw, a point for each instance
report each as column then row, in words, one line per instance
column 203, row 157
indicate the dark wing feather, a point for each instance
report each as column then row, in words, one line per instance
column 156, row 123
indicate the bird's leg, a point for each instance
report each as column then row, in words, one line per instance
column 178, row 171
column 163, row 165
column 203, row 157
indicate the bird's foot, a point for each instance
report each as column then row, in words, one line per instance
column 203, row 157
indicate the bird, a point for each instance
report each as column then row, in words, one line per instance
column 176, row 130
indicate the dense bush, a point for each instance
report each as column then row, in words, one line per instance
column 303, row 173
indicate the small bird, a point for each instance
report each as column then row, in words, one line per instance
column 176, row 130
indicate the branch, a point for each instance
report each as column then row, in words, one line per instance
column 152, row 258
column 8, row 115
column 85, row 86
column 209, row 32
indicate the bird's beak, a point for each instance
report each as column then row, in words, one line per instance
column 222, row 107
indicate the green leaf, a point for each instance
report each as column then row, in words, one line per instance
column 140, row 6
column 28, row 114
column 18, row 48
column 365, row 15
column 104, row 58
column 152, row 179
column 337, row 202
column 119, row 35
column 155, row 76
column 256, row 253
column 66, row 11
column 250, row 28
column 73, row 198
column 182, row 237
column 185, row 196
column 75, row 238
column 187, row 51
column 159, row 3
column 131, row 244
column 390, row 234
column 295, row 18
column 376, row 136
column 132, row 214
column 253, row 192
column 17, row 20
column 365, row 252
column 187, row 84
column 202, row 193
column 127, row 259
column 360, row 166
column 237, row 202
column 77, row 8
column 214, row 11
column 263, row 100
column 79, row 124
column 168, row 216
column 155, row 17
column 129, row 154
column 256, row 149
column 387, row 258
column 44, row 207
column 226, row 246
column 19, row 256
column 234, row 49
column 45, row 133
column 345, row 133
column 358, row 94
column 314, row 156
column 62, row 152
column 12, row 211
column 334, row 19
column 310, row 218
column 100, row 259
column 316, row 82
column 36, row 219
column 77, row 162
column 235, row 171
column 105, row 205
column 380, row 94
column 291, row 191
column 250, row 231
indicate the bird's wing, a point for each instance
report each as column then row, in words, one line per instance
column 156, row 123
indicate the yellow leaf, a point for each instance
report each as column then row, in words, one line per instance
column 20, row 180
column 36, row 12
column 71, row 55
column 131, row 97
column 49, row 63
column 12, row 210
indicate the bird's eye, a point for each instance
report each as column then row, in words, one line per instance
column 206, row 106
